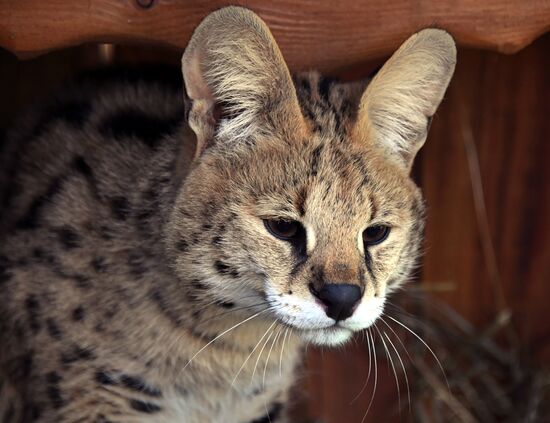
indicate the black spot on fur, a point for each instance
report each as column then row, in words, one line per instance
column 78, row 314
column 31, row 218
column 103, row 378
column 82, row 167
column 224, row 269
column 31, row 413
column 196, row 284
column 77, row 353
column 225, row 304
column 105, row 232
column 137, row 384
column 53, row 329
column 98, row 264
column 315, row 158
column 135, row 262
column 134, row 123
column 272, row 415
column 325, row 84
column 81, row 281
column 26, row 364
column 182, row 246
column 300, row 200
column 143, row 406
column 33, row 309
column 53, row 390
column 120, row 208
column 68, row 238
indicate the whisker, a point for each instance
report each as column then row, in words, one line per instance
column 390, row 359
column 404, row 371
column 269, row 354
column 398, row 338
column 369, row 372
column 251, row 353
column 231, row 311
column 281, row 356
column 426, row 345
column 260, row 355
column 399, row 357
column 222, row 334
column 375, row 377
column 217, row 300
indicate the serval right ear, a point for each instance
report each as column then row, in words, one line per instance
column 237, row 81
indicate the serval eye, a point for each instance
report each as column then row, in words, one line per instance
column 374, row 235
column 283, row 229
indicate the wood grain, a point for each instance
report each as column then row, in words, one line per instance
column 326, row 35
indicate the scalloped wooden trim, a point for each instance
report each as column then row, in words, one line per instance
column 326, row 35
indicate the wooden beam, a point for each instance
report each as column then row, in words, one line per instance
column 323, row 34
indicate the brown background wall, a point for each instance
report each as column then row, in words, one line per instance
column 502, row 102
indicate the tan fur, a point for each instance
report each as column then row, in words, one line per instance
column 405, row 93
column 138, row 280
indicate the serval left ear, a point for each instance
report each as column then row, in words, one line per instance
column 398, row 104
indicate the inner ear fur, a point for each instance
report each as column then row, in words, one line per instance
column 397, row 106
column 236, row 79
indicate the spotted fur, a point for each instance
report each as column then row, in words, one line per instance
column 138, row 281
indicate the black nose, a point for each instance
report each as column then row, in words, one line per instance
column 340, row 300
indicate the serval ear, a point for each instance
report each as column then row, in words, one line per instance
column 237, row 80
column 398, row 104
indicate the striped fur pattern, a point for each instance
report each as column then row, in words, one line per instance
column 138, row 282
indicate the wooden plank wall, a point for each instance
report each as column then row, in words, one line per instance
column 503, row 102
